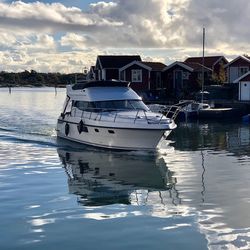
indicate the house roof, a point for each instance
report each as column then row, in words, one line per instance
column 156, row 66
column 181, row 64
column 133, row 63
column 209, row 61
column 197, row 66
column 246, row 58
column 116, row 61
column 241, row 77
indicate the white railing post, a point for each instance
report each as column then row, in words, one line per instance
column 146, row 116
column 115, row 116
column 136, row 116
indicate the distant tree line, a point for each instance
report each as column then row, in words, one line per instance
column 33, row 78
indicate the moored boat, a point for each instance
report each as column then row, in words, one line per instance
column 183, row 110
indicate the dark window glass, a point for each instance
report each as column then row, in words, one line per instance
column 86, row 106
column 121, row 105
column 110, row 105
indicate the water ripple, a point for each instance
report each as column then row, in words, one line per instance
column 191, row 194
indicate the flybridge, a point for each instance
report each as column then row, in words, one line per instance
column 111, row 83
column 101, row 91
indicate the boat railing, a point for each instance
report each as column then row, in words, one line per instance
column 100, row 115
column 171, row 111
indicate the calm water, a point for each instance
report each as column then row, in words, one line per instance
column 193, row 194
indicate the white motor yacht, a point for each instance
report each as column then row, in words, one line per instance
column 109, row 114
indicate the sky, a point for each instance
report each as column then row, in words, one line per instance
column 67, row 36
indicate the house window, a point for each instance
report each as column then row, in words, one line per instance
column 242, row 71
column 185, row 75
column 136, row 75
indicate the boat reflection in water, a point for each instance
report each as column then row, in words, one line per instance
column 105, row 177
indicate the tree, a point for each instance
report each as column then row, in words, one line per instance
column 220, row 78
column 222, row 73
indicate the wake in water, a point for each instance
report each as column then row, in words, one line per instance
column 15, row 135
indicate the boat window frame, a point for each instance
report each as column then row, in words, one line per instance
column 67, row 105
column 94, row 107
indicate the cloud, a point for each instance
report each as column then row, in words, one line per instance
column 7, row 40
column 64, row 62
column 225, row 22
column 131, row 23
column 41, row 43
column 103, row 8
column 50, row 18
column 36, row 33
column 143, row 22
column 76, row 41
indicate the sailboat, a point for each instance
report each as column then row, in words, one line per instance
column 209, row 112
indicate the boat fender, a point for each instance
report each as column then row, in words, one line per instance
column 80, row 126
column 66, row 129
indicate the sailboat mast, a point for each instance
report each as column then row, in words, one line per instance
column 203, row 59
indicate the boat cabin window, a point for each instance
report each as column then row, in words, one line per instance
column 110, row 105
column 86, row 106
column 137, row 104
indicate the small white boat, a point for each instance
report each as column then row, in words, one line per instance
column 109, row 114
column 185, row 109
column 191, row 109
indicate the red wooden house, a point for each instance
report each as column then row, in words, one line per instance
column 144, row 76
column 177, row 78
column 107, row 66
column 214, row 68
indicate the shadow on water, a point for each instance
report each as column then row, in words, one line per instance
column 102, row 177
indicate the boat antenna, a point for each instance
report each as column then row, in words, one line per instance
column 203, row 62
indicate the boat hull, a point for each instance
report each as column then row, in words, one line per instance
column 112, row 138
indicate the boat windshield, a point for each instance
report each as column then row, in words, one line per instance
column 111, row 105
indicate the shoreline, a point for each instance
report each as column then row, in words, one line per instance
column 33, row 86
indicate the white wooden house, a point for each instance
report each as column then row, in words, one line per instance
column 244, row 86
column 237, row 68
